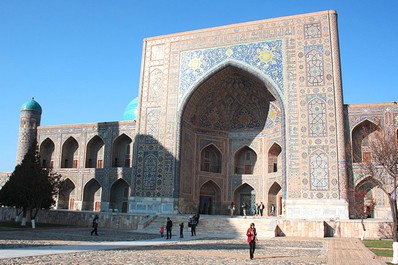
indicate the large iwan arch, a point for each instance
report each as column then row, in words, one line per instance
column 229, row 109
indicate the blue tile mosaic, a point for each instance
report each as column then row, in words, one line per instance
column 266, row 56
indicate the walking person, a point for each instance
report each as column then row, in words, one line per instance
column 251, row 239
column 95, row 225
column 169, row 225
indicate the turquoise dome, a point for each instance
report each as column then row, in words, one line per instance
column 130, row 113
column 32, row 105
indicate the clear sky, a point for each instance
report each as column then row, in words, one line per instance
column 81, row 59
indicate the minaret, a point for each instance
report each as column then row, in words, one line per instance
column 29, row 121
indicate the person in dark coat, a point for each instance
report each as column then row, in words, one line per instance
column 181, row 230
column 95, row 226
column 194, row 222
column 169, row 225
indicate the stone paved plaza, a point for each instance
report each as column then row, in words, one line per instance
column 204, row 249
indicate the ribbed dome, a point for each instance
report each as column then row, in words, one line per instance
column 130, row 113
column 32, row 105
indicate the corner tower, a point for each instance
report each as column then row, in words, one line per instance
column 29, row 121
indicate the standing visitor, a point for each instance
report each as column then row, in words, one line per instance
column 272, row 209
column 95, row 225
column 251, row 239
column 244, row 206
column 161, row 231
column 169, row 225
column 181, row 230
column 193, row 221
column 261, row 207
column 232, row 208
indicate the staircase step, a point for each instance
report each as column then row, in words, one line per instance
column 217, row 225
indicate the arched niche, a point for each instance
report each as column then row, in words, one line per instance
column 70, row 154
column 210, row 198
column 245, row 193
column 47, row 148
column 95, row 153
column 121, row 151
column 210, row 159
column 274, row 158
column 119, row 196
column 92, row 196
column 274, row 204
column 66, row 197
column 360, row 136
column 245, row 161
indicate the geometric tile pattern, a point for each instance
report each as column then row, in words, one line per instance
column 317, row 118
column 314, row 63
column 319, row 171
column 312, row 31
column 264, row 56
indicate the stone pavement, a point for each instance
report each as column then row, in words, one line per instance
column 76, row 246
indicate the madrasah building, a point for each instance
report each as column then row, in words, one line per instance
column 249, row 112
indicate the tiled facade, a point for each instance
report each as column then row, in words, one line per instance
column 250, row 112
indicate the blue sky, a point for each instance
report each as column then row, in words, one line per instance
column 81, row 59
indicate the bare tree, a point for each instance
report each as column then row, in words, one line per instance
column 380, row 167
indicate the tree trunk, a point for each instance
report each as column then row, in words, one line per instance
column 363, row 229
column 393, row 205
column 23, row 222
column 33, row 214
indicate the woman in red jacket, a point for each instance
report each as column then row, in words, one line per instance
column 251, row 239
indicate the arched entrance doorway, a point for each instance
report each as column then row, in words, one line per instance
column 245, row 194
column 209, row 198
column 274, row 200
column 229, row 109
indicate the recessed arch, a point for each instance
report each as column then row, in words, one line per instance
column 95, row 152
column 360, row 140
column 92, row 196
column 119, row 196
column 274, row 204
column 210, row 159
column 70, row 153
column 231, row 106
column 47, row 149
column 210, row 198
column 274, row 158
column 66, row 197
column 245, row 160
column 364, row 197
column 121, row 151
column 245, row 193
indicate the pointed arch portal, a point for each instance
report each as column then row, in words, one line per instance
column 230, row 107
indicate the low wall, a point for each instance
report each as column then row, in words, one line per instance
column 375, row 229
column 79, row 218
